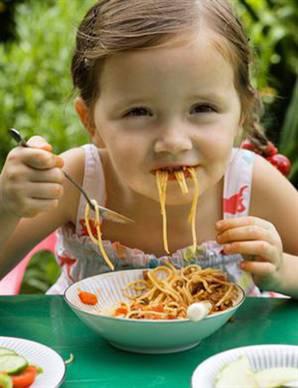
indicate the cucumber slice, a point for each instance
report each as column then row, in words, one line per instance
column 12, row 363
column 5, row 381
column 6, row 351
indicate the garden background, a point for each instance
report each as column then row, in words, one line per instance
column 36, row 96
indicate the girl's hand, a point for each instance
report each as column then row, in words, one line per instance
column 31, row 179
column 259, row 243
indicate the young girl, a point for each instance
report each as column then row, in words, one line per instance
column 163, row 88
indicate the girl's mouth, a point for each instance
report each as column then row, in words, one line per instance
column 171, row 170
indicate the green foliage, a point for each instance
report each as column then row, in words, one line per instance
column 40, row 274
column 36, row 92
column 272, row 26
column 289, row 134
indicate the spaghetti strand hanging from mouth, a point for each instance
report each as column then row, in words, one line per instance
column 193, row 211
column 162, row 177
column 161, row 182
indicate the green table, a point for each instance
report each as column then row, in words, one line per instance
column 48, row 320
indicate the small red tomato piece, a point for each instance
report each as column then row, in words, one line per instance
column 87, row 297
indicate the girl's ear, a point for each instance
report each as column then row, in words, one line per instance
column 85, row 116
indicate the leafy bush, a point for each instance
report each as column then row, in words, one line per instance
column 272, row 26
column 41, row 273
column 36, row 92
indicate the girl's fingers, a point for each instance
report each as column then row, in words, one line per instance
column 44, row 191
column 41, row 159
column 36, row 206
column 53, row 175
column 34, row 157
column 39, row 142
column 260, row 269
column 246, row 233
column 231, row 223
column 265, row 250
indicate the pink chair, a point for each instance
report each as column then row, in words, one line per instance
column 11, row 283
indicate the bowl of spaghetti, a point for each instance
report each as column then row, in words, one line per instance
column 146, row 311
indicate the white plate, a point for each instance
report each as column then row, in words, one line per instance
column 260, row 357
column 52, row 364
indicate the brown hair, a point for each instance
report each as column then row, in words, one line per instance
column 113, row 26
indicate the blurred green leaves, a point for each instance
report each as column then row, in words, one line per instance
column 41, row 273
column 36, row 92
column 272, row 26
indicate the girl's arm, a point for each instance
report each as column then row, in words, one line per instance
column 268, row 238
column 18, row 235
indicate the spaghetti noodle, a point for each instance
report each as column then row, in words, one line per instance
column 193, row 211
column 161, row 182
column 166, row 292
column 98, row 238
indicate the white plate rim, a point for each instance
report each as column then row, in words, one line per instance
column 237, row 352
column 25, row 341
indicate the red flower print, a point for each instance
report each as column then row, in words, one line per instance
column 234, row 204
column 68, row 262
column 84, row 231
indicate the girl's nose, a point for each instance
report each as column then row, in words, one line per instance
column 173, row 142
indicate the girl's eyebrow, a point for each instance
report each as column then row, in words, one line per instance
column 210, row 96
column 127, row 101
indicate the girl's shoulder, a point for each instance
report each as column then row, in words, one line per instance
column 86, row 166
column 74, row 160
column 275, row 199
column 74, row 166
column 270, row 187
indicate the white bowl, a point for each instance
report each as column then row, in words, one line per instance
column 142, row 336
column 260, row 357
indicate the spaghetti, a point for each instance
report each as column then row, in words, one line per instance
column 166, row 292
column 193, row 211
column 98, row 238
column 161, row 182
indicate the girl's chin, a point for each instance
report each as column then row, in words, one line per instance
column 178, row 199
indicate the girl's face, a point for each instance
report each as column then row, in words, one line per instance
column 168, row 107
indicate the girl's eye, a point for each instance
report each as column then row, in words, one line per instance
column 202, row 108
column 138, row 111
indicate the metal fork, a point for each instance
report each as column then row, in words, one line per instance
column 103, row 211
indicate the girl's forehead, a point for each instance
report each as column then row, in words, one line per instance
column 194, row 56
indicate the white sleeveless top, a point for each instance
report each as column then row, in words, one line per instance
column 79, row 257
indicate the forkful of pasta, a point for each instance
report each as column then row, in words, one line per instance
column 105, row 213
